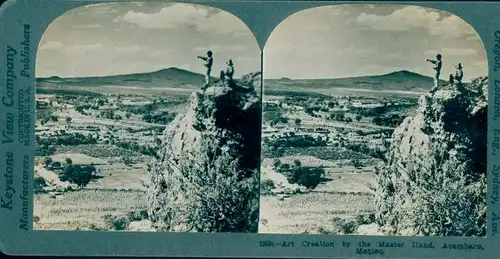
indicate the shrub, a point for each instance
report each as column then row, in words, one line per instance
column 365, row 219
column 276, row 163
column 297, row 163
column 116, row 222
column 38, row 184
column 349, row 227
column 344, row 226
column 357, row 163
column 308, row 177
column 47, row 161
column 266, row 186
column 205, row 190
column 68, row 161
column 137, row 215
column 80, row 175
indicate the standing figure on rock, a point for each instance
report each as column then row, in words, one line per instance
column 208, row 65
column 437, row 68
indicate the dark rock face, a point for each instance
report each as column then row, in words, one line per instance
column 207, row 177
column 434, row 182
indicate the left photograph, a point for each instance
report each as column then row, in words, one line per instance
column 148, row 118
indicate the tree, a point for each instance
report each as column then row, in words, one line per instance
column 80, row 175
column 68, row 120
column 358, row 117
column 127, row 115
column 297, row 163
column 277, row 163
column 68, row 161
column 47, row 161
column 308, row 177
column 38, row 184
column 298, row 121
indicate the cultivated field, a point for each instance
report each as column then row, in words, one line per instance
column 320, row 154
column 106, row 134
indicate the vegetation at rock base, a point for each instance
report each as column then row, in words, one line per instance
column 209, row 194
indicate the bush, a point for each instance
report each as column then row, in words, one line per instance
column 276, row 163
column 38, row 184
column 68, row 161
column 344, row 226
column 357, row 163
column 297, row 163
column 47, row 161
column 218, row 195
column 80, row 175
column 116, row 222
column 365, row 219
column 266, row 186
column 308, row 177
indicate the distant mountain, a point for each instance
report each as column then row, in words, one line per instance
column 403, row 80
column 170, row 77
column 179, row 78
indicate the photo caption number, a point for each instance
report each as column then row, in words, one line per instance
column 276, row 244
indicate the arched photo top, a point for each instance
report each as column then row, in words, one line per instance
column 361, row 104
column 139, row 37
column 356, row 40
column 129, row 84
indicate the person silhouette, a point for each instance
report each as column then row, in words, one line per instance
column 459, row 74
column 229, row 70
column 208, row 67
column 438, row 64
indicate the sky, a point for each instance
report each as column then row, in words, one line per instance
column 123, row 38
column 324, row 42
column 356, row 40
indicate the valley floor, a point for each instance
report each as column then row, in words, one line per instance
column 345, row 194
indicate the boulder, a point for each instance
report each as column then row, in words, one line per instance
column 434, row 183
column 207, row 177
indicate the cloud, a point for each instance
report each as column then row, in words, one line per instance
column 220, row 48
column 414, row 17
column 395, row 54
column 352, row 50
column 336, row 10
column 98, row 9
column 452, row 52
column 116, row 49
column 86, row 26
column 51, row 45
column 84, row 48
column 188, row 16
column 480, row 64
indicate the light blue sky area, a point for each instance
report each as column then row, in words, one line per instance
column 324, row 42
column 355, row 40
column 122, row 38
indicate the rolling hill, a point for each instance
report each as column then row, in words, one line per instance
column 400, row 80
column 170, row 77
column 178, row 78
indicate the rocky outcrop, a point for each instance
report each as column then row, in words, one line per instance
column 207, row 177
column 434, row 182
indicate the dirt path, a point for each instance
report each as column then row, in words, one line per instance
column 51, row 177
column 279, row 180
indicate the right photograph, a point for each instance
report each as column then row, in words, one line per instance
column 374, row 123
